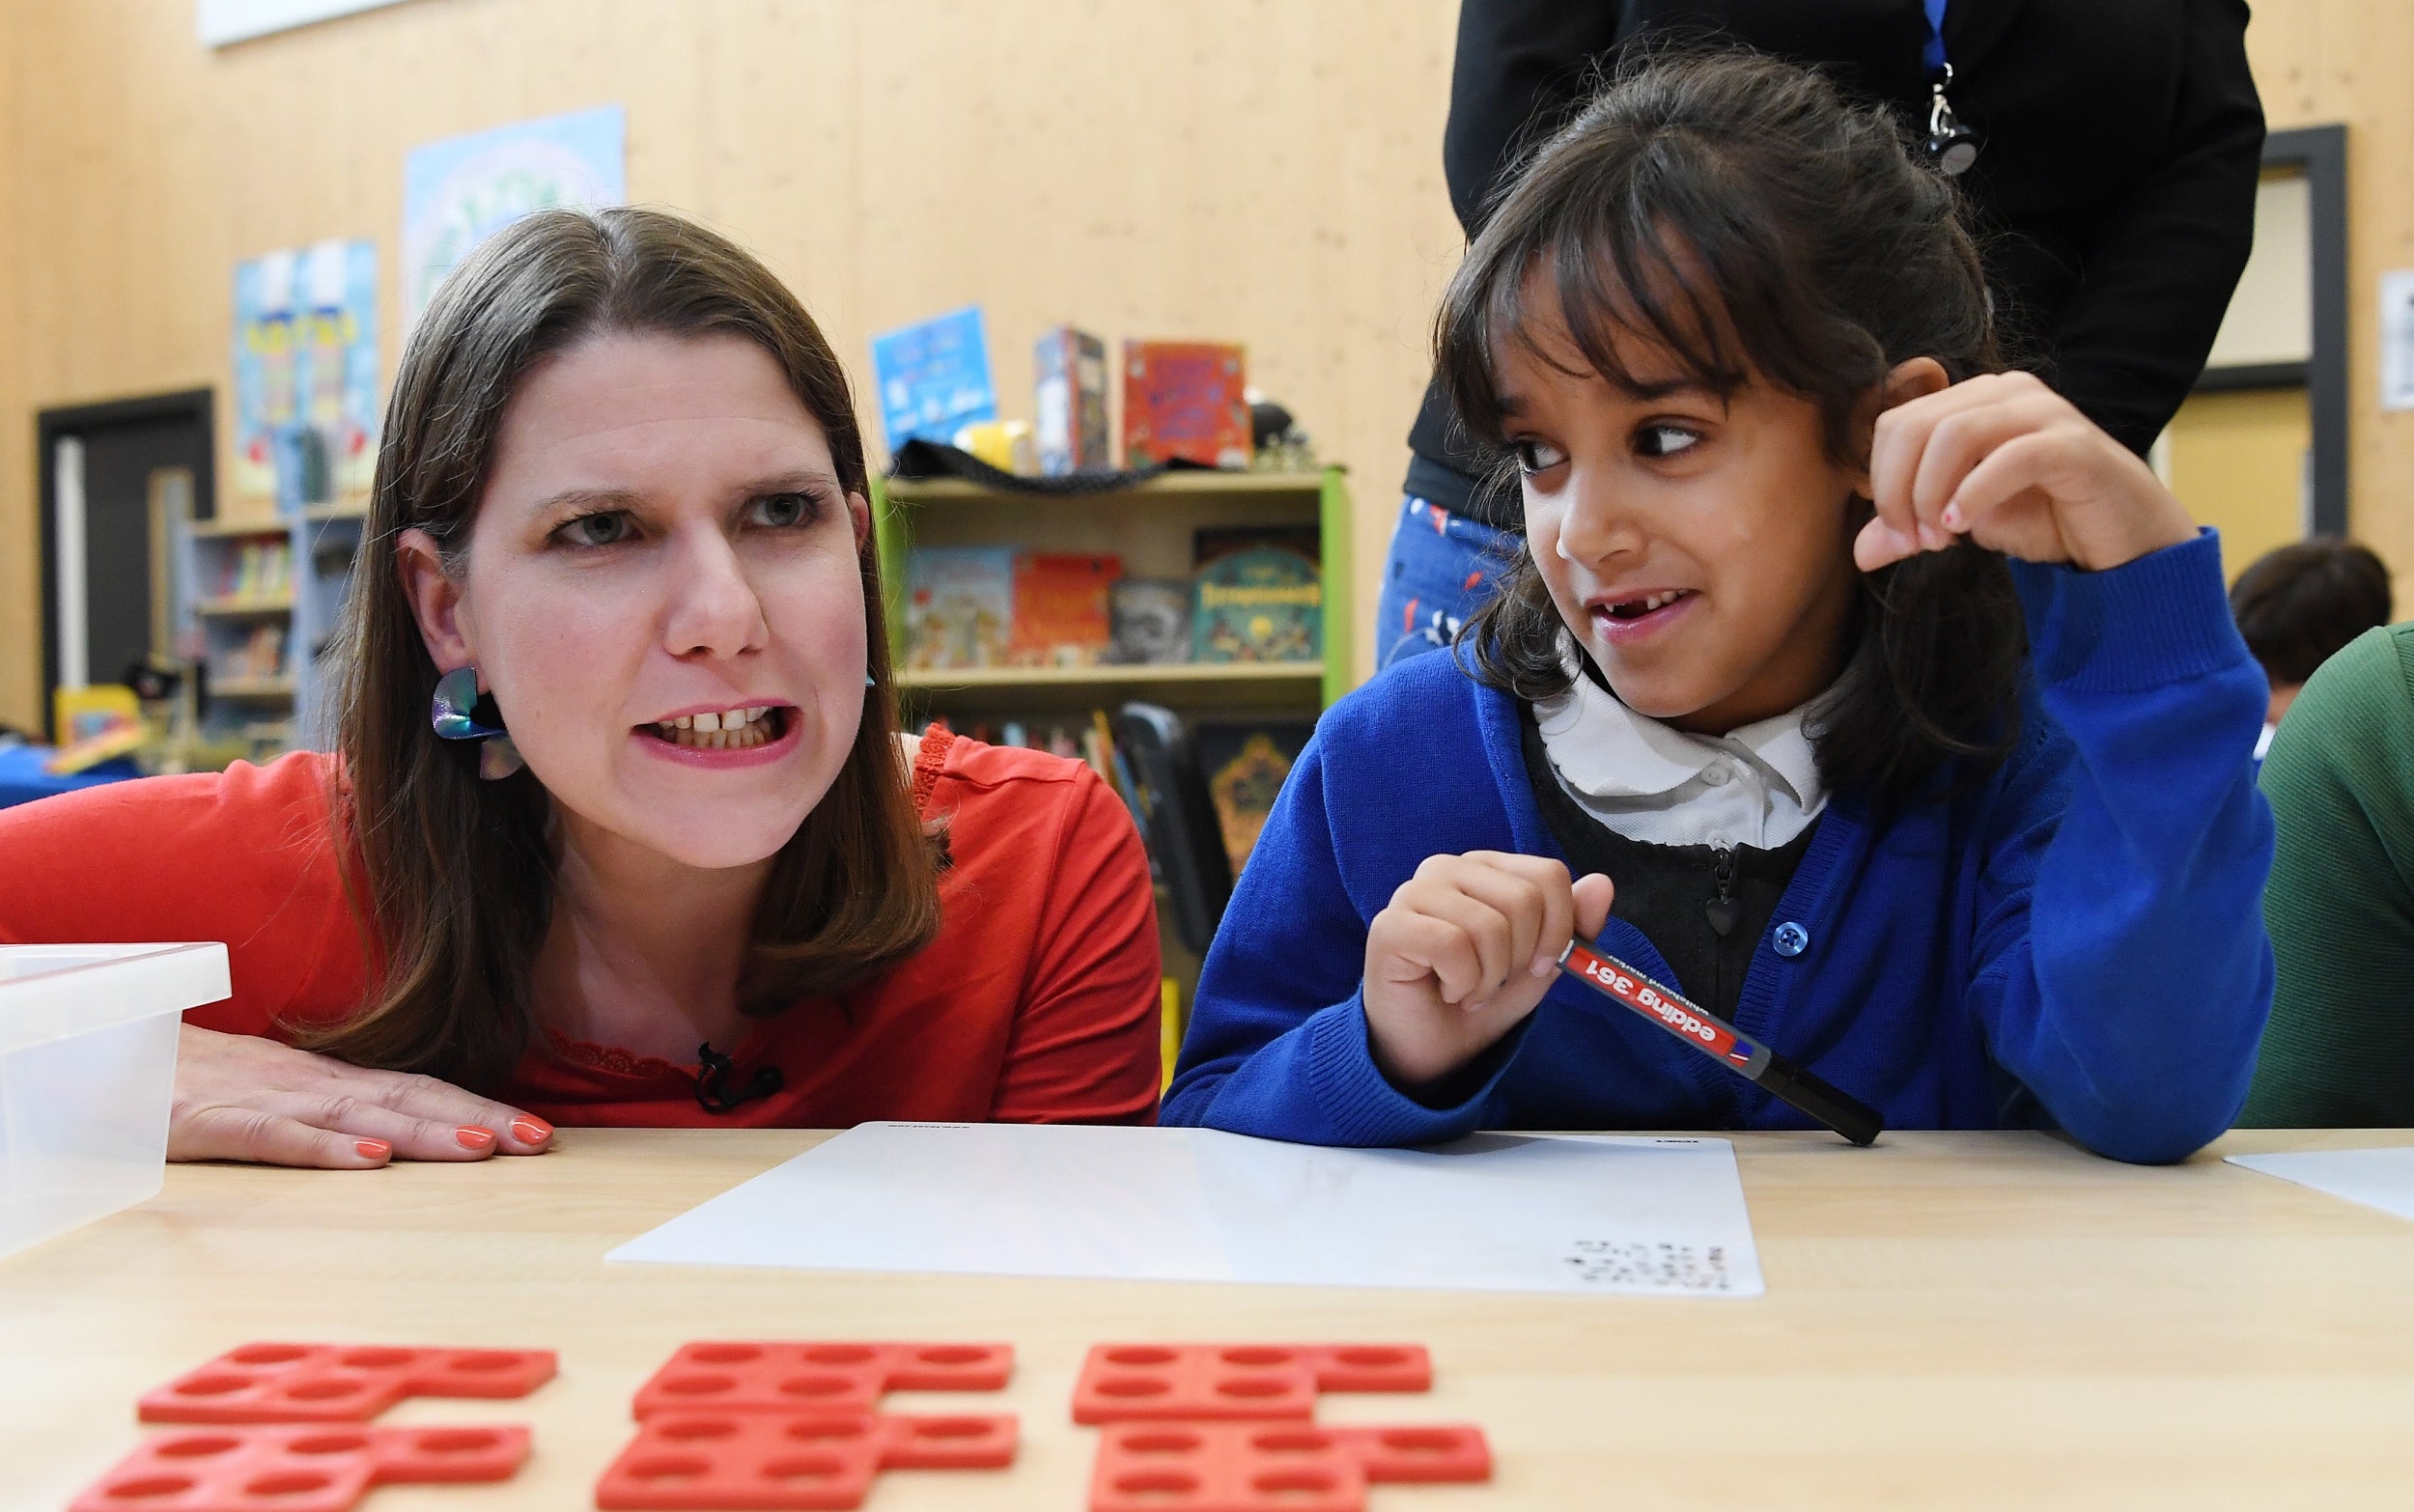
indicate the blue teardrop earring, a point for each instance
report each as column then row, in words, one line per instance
column 455, row 715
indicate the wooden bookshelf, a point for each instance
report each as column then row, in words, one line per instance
column 1150, row 526
column 222, row 529
column 252, row 687
column 1114, row 676
column 234, row 606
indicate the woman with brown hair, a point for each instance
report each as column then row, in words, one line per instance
column 616, row 779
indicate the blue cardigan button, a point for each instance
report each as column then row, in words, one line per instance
column 1792, row 939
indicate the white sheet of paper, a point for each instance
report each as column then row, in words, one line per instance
column 2382, row 1179
column 1492, row 1213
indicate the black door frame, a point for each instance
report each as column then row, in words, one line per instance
column 49, row 427
column 2320, row 152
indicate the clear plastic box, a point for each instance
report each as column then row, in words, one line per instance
column 87, row 1067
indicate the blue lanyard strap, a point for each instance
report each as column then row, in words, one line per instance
column 1934, row 54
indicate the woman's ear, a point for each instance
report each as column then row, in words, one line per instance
column 1915, row 378
column 436, row 600
column 860, row 511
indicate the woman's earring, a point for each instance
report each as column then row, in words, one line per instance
column 869, row 681
column 455, row 715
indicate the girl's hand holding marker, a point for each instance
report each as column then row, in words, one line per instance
column 1466, row 949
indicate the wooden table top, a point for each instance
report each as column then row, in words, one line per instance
column 1963, row 1320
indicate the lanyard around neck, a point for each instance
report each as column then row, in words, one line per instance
column 1934, row 53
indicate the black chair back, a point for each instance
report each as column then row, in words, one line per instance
column 1177, row 819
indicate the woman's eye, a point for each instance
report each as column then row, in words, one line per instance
column 609, row 528
column 782, row 510
column 1536, row 456
column 1665, row 440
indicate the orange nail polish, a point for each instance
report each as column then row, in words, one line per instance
column 474, row 1138
column 531, row 1130
column 373, row 1149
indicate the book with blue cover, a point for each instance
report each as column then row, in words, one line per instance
column 933, row 378
column 959, row 606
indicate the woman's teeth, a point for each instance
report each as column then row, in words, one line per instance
column 733, row 729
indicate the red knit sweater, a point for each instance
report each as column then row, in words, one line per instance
column 1037, row 1002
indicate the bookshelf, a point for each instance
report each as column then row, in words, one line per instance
column 242, row 587
column 1150, row 527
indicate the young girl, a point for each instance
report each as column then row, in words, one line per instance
column 1901, row 705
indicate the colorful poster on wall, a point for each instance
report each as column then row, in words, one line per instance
column 459, row 191
column 306, row 375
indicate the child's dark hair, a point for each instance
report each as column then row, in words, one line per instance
column 2298, row 605
column 1737, row 212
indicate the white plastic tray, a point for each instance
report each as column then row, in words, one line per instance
column 87, row 1067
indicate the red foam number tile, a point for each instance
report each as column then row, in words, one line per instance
column 308, row 1468
column 1272, row 1466
column 769, row 1462
column 1157, row 1383
column 337, row 1383
column 759, row 1377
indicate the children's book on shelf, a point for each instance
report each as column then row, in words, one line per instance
column 257, row 570
column 959, row 606
column 1061, row 617
column 1182, row 399
column 1245, row 764
column 933, row 378
column 1070, row 370
column 259, row 654
column 1149, row 621
column 1260, row 596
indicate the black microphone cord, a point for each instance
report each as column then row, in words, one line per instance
column 712, row 1089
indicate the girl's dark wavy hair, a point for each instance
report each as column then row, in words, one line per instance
column 1741, row 214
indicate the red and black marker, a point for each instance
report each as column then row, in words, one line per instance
column 1720, row 1040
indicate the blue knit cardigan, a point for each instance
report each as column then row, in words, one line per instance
column 2076, row 941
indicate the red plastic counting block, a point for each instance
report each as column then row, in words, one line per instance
column 1272, row 1466
column 1157, row 1383
column 754, row 1377
column 337, row 1383
column 311, row 1467
column 767, row 1461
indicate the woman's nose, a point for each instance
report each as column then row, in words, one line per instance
column 713, row 610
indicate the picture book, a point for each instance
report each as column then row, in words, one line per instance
column 1060, row 615
column 1071, row 369
column 1260, row 597
column 959, row 606
column 933, row 378
column 1244, row 765
column 1183, row 400
column 1149, row 621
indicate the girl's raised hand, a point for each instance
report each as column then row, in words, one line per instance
column 2013, row 465
column 1466, row 949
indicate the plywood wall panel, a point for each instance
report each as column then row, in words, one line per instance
column 1266, row 171
column 1263, row 170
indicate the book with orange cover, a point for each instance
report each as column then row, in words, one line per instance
column 1061, row 616
column 1183, row 398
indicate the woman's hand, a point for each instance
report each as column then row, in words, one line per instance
column 2013, row 465
column 240, row 1097
column 1466, row 949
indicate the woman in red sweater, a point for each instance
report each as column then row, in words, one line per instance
column 700, row 880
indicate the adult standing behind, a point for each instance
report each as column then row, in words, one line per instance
column 2113, row 190
column 618, row 513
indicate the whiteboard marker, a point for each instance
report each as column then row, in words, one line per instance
column 1720, row 1041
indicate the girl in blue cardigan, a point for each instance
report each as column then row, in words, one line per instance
column 1901, row 705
